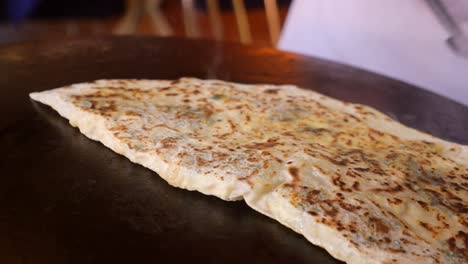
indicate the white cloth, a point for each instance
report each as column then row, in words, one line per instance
column 402, row 39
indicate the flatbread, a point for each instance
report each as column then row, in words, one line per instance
column 347, row 177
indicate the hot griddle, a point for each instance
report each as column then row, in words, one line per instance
column 67, row 199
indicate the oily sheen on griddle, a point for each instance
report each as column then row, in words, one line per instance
column 347, row 177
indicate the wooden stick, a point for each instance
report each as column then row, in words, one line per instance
column 242, row 21
column 160, row 23
column 190, row 19
column 273, row 19
column 129, row 22
column 215, row 19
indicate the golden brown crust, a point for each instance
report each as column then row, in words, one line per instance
column 380, row 191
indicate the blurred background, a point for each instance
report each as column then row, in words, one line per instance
column 422, row 42
column 251, row 22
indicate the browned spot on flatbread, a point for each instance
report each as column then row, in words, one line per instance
column 459, row 244
column 263, row 145
column 132, row 113
column 169, row 142
column 119, row 128
column 394, row 189
column 356, row 185
column 395, row 201
column 271, row 91
column 427, row 226
column 379, row 225
column 294, row 172
column 424, row 205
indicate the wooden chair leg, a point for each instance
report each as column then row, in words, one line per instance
column 242, row 21
column 192, row 29
column 129, row 23
column 273, row 19
column 215, row 19
column 160, row 23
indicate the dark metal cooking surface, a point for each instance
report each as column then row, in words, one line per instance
column 67, row 199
